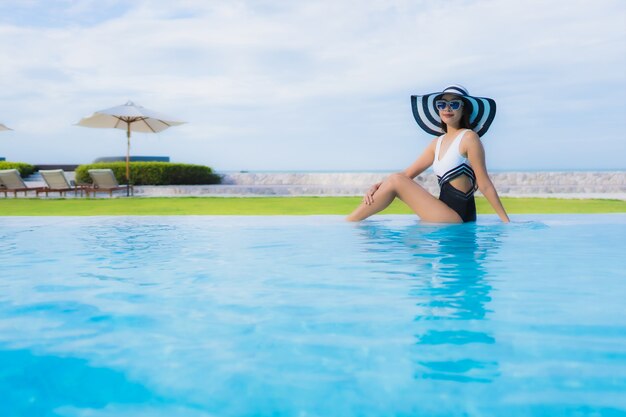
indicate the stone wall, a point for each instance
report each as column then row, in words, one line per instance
column 557, row 184
column 521, row 182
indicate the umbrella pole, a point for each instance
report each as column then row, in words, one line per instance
column 128, row 159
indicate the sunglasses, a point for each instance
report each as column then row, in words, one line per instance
column 454, row 104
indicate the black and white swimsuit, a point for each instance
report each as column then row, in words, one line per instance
column 450, row 167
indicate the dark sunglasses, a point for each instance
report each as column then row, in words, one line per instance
column 454, row 104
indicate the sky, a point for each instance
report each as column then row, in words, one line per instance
column 279, row 85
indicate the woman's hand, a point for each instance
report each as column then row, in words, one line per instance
column 369, row 195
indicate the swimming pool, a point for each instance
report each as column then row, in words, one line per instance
column 312, row 316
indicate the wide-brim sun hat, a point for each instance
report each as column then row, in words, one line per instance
column 427, row 116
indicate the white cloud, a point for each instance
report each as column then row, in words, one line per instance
column 242, row 69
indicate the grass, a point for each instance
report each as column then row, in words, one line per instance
column 271, row 206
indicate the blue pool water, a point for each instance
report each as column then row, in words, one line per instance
column 312, row 316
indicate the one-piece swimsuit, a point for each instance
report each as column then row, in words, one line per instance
column 451, row 166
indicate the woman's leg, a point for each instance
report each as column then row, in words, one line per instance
column 424, row 204
column 382, row 198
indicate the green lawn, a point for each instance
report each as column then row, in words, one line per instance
column 271, row 206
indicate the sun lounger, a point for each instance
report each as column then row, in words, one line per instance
column 104, row 180
column 12, row 181
column 57, row 182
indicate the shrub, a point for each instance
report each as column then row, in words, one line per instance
column 153, row 173
column 24, row 169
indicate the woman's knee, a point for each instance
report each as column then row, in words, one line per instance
column 404, row 186
column 398, row 181
column 394, row 180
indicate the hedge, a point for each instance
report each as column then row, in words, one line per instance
column 153, row 173
column 24, row 169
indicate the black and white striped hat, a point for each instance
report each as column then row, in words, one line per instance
column 427, row 116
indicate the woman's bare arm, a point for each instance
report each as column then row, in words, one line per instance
column 420, row 165
column 476, row 156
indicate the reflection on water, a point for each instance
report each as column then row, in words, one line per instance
column 451, row 291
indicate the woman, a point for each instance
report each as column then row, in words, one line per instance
column 457, row 157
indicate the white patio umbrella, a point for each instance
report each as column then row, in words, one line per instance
column 3, row 127
column 129, row 117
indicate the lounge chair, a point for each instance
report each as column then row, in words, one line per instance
column 57, row 182
column 12, row 181
column 104, row 180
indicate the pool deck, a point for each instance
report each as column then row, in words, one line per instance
column 578, row 185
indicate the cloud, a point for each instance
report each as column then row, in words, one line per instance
column 251, row 68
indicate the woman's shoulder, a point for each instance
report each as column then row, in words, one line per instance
column 470, row 140
column 433, row 143
column 470, row 137
column 435, row 139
